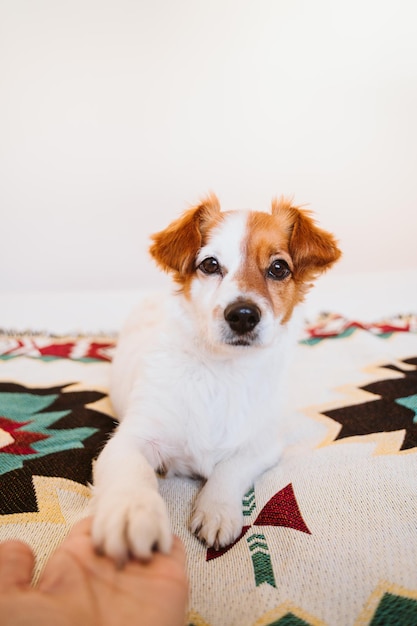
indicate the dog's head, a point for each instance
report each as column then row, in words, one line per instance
column 243, row 272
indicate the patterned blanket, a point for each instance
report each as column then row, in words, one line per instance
column 330, row 533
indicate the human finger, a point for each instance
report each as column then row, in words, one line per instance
column 82, row 528
column 62, row 569
column 16, row 565
column 178, row 551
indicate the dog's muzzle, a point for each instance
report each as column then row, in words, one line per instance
column 242, row 317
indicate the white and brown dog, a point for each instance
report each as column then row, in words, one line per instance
column 197, row 376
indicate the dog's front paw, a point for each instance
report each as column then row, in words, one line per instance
column 130, row 525
column 217, row 524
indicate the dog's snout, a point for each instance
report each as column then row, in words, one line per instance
column 242, row 317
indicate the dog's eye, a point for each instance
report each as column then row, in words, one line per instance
column 210, row 266
column 278, row 270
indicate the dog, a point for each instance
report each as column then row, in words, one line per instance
column 198, row 376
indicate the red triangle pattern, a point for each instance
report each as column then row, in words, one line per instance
column 213, row 554
column 22, row 438
column 282, row 510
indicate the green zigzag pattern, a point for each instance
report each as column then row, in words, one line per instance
column 21, row 407
column 261, row 560
column 395, row 611
column 289, row 620
column 249, row 503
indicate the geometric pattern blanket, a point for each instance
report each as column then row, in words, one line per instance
column 330, row 533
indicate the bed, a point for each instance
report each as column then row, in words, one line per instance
column 329, row 534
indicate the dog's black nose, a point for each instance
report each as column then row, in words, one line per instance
column 242, row 317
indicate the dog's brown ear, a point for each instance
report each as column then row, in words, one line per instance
column 312, row 249
column 175, row 248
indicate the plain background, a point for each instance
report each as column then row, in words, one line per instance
column 116, row 115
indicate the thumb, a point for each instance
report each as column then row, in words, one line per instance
column 16, row 565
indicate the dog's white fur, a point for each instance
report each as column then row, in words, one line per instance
column 194, row 396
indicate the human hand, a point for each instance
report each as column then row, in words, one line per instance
column 79, row 587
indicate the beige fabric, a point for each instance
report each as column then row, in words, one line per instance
column 337, row 546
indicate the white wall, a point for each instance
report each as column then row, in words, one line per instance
column 117, row 114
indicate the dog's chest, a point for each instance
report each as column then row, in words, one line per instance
column 205, row 412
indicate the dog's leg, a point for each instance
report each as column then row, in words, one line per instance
column 217, row 517
column 130, row 516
